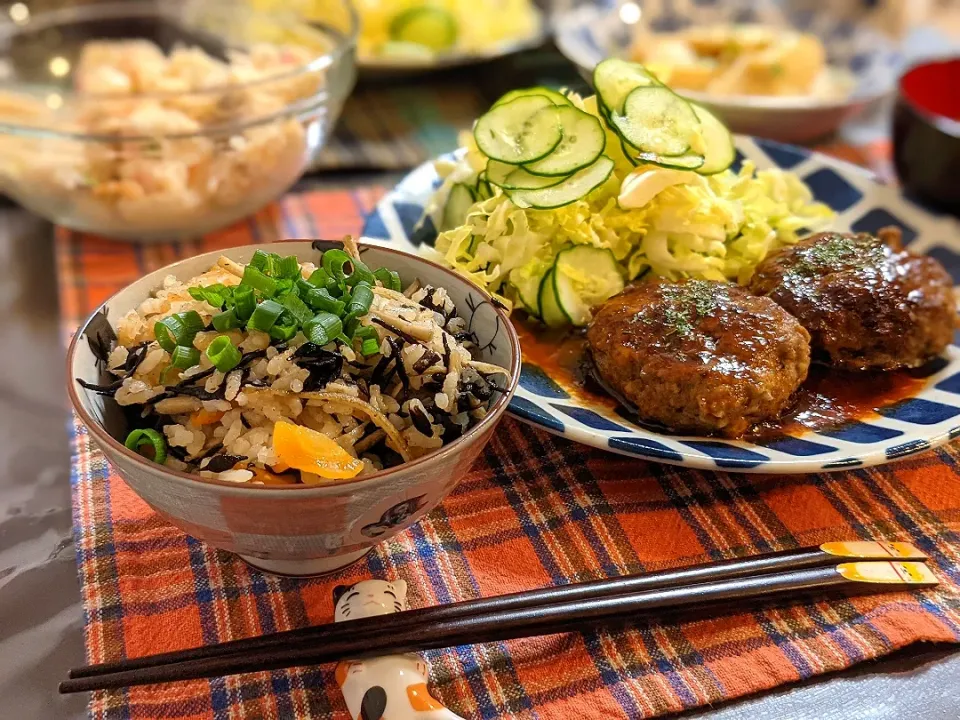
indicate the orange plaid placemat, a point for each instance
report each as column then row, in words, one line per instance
column 536, row 510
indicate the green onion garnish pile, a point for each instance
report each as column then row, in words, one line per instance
column 273, row 298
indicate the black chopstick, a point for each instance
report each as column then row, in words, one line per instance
column 549, row 619
column 825, row 555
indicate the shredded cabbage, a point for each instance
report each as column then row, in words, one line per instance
column 715, row 228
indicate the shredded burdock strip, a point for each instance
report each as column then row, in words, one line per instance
column 487, row 368
column 398, row 297
column 417, row 331
column 350, row 247
column 369, row 441
column 234, row 268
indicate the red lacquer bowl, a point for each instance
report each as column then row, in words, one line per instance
column 926, row 133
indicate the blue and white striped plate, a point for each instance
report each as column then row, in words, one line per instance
column 927, row 419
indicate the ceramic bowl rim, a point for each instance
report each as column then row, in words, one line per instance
column 104, row 438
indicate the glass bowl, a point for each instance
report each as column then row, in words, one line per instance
column 864, row 60
column 146, row 121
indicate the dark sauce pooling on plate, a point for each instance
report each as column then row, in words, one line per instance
column 828, row 399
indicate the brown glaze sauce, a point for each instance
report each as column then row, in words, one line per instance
column 829, row 398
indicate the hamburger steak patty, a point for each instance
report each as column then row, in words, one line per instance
column 867, row 303
column 699, row 356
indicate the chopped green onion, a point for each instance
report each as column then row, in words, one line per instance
column 368, row 347
column 184, row 357
column 388, row 278
column 258, row 281
column 322, row 280
column 138, row 438
column 321, row 299
column 227, row 320
column 319, row 278
column 323, row 328
column 369, row 340
column 361, row 273
column 298, row 308
column 266, row 262
column 288, row 267
column 334, row 262
column 221, row 352
column 284, row 331
column 214, row 295
column 361, row 299
column 350, row 323
column 304, row 287
column 261, row 261
column 286, row 287
column 178, row 329
column 244, row 302
column 265, row 316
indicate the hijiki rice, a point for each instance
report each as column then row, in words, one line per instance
column 286, row 372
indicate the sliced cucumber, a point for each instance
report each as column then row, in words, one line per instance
column 520, row 131
column 690, row 161
column 629, row 152
column 511, row 177
column 497, row 172
column 570, row 190
column 459, row 202
column 520, row 179
column 615, row 79
column 583, row 278
column 554, row 96
column 550, row 311
column 430, row 27
column 583, row 142
column 482, row 189
column 657, row 120
column 718, row 147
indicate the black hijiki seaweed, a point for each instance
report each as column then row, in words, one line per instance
column 222, row 463
column 105, row 390
column 420, row 420
column 426, row 360
column 396, row 346
column 446, row 352
column 323, row 365
column 101, row 337
column 207, row 453
column 435, row 383
column 377, row 376
column 134, row 358
column 428, row 302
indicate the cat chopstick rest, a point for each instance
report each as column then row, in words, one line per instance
column 393, row 687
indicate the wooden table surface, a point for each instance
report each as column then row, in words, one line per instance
column 41, row 617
